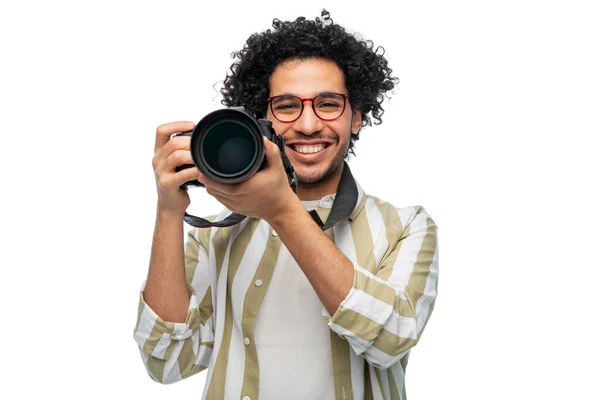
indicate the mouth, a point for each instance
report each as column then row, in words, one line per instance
column 308, row 149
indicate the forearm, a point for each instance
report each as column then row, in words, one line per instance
column 166, row 289
column 328, row 270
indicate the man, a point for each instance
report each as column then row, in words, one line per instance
column 278, row 307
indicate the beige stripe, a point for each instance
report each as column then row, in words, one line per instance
column 393, row 228
column 418, row 278
column 157, row 331
column 216, row 389
column 379, row 382
column 253, row 299
column 362, row 326
column 192, row 250
column 156, row 368
column 368, row 388
column 342, row 377
column 141, row 306
column 205, row 308
column 220, row 243
column 363, row 242
column 187, row 358
column 391, row 344
column 394, row 395
column 383, row 292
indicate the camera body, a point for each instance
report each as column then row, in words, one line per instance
column 227, row 145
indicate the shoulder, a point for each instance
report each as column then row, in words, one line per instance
column 395, row 217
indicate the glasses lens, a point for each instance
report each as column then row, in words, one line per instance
column 329, row 105
column 286, row 108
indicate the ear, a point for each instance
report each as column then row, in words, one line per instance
column 356, row 121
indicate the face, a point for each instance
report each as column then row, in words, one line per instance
column 316, row 148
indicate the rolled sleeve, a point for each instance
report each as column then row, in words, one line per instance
column 383, row 318
column 156, row 337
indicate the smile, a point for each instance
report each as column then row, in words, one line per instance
column 309, row 149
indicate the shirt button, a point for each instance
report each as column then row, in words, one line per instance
column 246, row 398
column 258, row 282
column 246, row 341
column 274, row 233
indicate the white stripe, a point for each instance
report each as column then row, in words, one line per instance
column 219, row 305
column 244, row 276
column 385, row 383
column 407, row 256
column 161, row 346
column 342, row 236
column 377, row 227
column 402, row 326
column 235, row 366
column 357, row 365
column 423, row 304
column 358, row 344
column 201, row 278
column 369, row 306
column 375, row 384
column 147, row 320
column 171, row 372
column 380, row 358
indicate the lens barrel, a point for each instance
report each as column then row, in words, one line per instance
column 227, row 145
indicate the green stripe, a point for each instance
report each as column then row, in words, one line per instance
column 156, row 368
column 342, row 377
column 253, row 299
column 239, row 246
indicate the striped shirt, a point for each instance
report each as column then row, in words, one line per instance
column 395, row 256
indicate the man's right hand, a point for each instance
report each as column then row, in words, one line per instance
column 168, row 155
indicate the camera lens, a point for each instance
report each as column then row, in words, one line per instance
column 228, row 148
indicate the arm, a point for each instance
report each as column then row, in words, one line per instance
column 172, row 351
column 381, row 315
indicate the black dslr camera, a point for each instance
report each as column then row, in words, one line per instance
column 227, row 147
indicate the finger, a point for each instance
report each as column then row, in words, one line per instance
column 164, row 131
column 223, row 189
column 177, row 143
column 174, row 160
column 172, row 182
column 272, row 152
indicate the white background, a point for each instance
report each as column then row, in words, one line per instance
column 493, row 129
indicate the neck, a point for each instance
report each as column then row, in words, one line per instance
column 317, row 190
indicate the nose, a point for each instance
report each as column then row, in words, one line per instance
column 308, row 123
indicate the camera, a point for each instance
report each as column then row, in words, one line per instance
column 227, row 145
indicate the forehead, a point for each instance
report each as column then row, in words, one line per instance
column 306, row 78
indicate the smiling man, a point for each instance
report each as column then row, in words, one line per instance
column 281, row 305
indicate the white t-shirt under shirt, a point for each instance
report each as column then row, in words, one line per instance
column 292, row 342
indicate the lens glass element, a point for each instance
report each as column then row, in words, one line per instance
column 229, row 147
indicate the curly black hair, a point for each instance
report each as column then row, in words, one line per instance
column 367, row 75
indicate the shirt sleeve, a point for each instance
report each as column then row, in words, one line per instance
column 384, row 314
column 174, row 351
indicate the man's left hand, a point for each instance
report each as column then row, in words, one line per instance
column 263, row 195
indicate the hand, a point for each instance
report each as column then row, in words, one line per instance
column 169, row 154
column 263, row 195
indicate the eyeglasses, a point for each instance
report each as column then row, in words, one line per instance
column 327, row 106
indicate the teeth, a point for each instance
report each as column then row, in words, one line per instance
column 309, row 149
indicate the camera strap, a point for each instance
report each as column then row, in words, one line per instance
column 343, row 205
column 235, row 218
